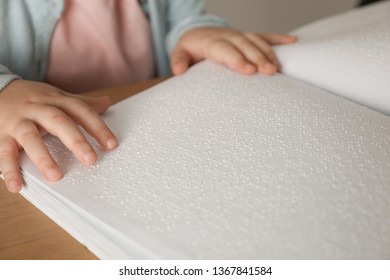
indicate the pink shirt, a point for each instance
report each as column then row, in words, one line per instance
column 100, row 43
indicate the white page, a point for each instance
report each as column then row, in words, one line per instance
column 347, row 54
column 217, row 165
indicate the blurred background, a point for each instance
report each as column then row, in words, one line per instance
column 275, row 15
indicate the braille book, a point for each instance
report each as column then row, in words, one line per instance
column 217, row 165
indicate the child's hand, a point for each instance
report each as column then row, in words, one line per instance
column 30, row 109
column 246, row 53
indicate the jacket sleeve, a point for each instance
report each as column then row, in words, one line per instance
column 184, row 15
column 6, row 77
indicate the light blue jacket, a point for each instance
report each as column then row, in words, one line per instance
column 26, row 27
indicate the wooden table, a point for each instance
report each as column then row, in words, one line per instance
column 26, row 233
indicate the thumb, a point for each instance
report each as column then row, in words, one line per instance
column 180, row 61
column 99, row 104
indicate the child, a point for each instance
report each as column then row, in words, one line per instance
column 50, row 48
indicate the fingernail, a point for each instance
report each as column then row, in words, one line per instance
column 89, row 157
column 249, row 67
column 13, row 186
column 111, row 144
column 53, row 174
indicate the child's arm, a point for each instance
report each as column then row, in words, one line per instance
column 246, row 53
column 30, row 109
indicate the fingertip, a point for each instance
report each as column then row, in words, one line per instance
column 248, row 69
column 105, row 102
column 292, row 38
column 180, row 61
column 106, row 99
column 277, row 64
column 111, row 144
column 53, row 174
column 268, row 69
column 99, row 104
column 14, row 186
column 288, row 39
column 89, row 158
column 179, row 68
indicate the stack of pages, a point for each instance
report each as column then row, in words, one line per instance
column 217, row 165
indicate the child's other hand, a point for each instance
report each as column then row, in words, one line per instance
column 30, row 109
column 245, row 53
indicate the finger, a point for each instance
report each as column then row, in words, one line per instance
column 225, row 52
column 265, row 48
column 84, row 115
column 27, row 134
column 98, row 104
column 257, row 54
column 9, row 164
column 278, row 39
column 180, row 61
column 57, row 123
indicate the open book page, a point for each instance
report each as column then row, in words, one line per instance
column 347, row 54
column 217, row 165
